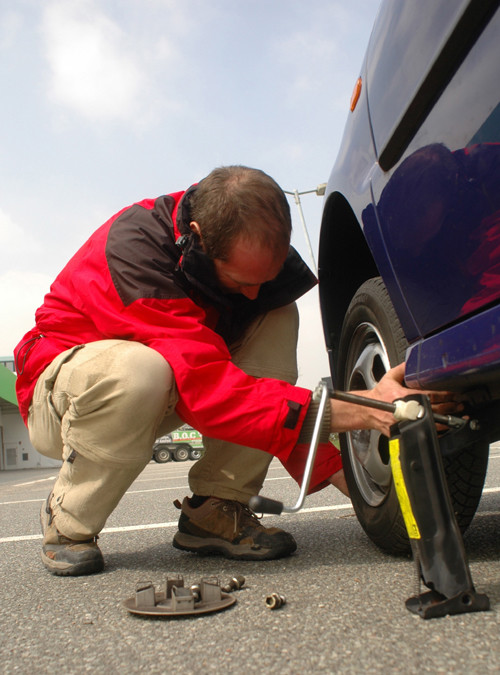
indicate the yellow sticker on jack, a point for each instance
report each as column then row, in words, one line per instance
column 399, row 482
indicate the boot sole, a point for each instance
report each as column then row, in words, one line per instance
column 66, row 569
column 213, row 546
column 62, row 568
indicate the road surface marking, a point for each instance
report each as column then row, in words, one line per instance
column 173, row 523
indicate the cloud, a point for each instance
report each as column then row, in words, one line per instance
column 9, row 231
column 94, row 67
column 10, row 26
column 322, row 55
column 21, row 292
column 309, row 51
column 15, row 243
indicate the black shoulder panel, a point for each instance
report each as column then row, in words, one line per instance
column 141, row 253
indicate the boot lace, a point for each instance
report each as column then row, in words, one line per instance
column 243, row 516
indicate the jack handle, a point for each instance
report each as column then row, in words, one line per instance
column 402, row 410
column 266, row 505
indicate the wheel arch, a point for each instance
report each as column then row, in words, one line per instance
column 341, row 242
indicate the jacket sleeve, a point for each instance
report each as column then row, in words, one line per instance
column 218, row 398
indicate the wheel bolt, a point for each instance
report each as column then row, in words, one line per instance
column 234, row 584
column 275, row 600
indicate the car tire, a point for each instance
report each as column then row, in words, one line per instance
column 372, row 341
column 162, row 454
column 195, row 453
column 181, row 452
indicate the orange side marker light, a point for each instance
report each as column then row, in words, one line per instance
column 356, row 93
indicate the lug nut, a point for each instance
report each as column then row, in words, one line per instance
column 196, row 591
column 234, row 584
column 275, row 600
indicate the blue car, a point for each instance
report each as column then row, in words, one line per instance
column 409, row 257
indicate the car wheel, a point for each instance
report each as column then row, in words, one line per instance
column 372, row 341
column 161, row 454
column 181, row 452
column 195, row 453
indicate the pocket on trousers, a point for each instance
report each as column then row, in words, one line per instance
column 44, row 423
column 44, row 428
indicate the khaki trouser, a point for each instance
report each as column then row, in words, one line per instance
column 100, row 406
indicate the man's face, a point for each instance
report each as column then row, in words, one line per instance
column 249, row 265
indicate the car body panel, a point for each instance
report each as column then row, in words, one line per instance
column 432, row 220
column 406, row 39
column 469, row 350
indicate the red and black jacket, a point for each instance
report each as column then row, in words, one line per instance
column 142, row 276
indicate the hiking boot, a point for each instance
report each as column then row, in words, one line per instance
column 231, row 529
column 67, row 557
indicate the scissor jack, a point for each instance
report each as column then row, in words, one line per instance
column 424, row 499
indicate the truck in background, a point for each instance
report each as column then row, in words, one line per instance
column 182, row 444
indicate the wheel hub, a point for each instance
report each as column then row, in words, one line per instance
column 368, row 448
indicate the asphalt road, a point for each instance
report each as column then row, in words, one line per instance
column 344, row 613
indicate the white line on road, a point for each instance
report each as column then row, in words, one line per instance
column 129, row 492
column 183, row 487
column 32, row 482
column 152, row 526
column 173, row 523
column 143, row 480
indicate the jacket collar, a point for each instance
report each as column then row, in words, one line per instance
column 294, row 280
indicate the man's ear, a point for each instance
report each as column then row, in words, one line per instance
column 195, row 228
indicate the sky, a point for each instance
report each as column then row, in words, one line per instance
column 106, row 102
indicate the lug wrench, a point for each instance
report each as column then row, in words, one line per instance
column 402, row 410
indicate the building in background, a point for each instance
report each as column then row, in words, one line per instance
column 16, row 451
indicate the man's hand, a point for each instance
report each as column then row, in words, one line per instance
column 349, row 416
